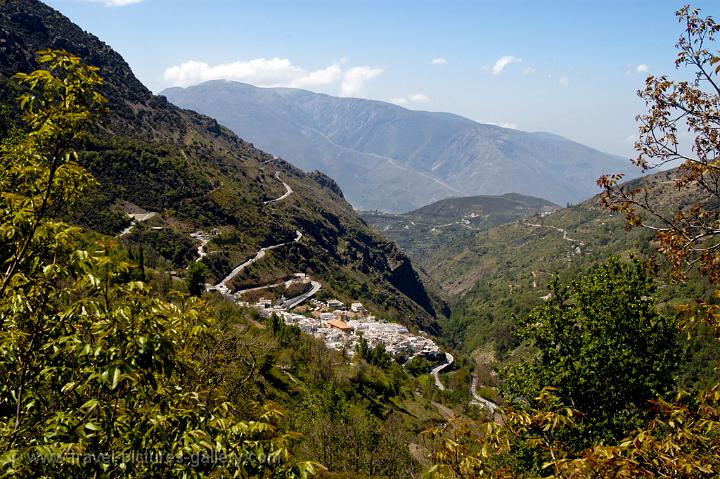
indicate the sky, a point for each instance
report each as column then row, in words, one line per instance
column 569, row 67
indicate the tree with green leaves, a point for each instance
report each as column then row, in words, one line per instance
column 603, row 345
column 605, row 359
column 377, row 356
column 349, row 438
column 93, row 367
column 195, row 277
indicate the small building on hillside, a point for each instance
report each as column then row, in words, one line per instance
column 264, row 303
column 341, row 325
column 358, row 308
column 336, row 304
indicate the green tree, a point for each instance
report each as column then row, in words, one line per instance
column 603, row 345
column 92, row 366
column 141, row 264
column 285, row 334
column 195, row 277
column 376, row 356
column 347, row 437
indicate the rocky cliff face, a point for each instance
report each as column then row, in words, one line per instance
column 197, row 174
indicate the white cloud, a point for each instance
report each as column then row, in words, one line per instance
column 319, row 77
column 259, row 71
column 564, row 81
column 502, row 62
column 438, row 61
column 271, row 72
column 415, row 98
column 529, row 71
column 113, row 3
column 354, row 79
column 641, row 69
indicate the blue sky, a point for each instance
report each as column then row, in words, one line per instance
column 565, row 67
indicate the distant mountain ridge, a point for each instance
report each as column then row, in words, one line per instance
column 477, row 206
column 393, row 159
column 422, row 232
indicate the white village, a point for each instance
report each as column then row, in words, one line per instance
column 341, row 327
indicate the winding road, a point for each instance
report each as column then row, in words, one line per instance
column 288, row 190
column 136, row 218
column 292, row 302
column 476, row 398
column 203, row 242
column 479, row 400
column 222, row 286
column 449, row 359
column 560, row 230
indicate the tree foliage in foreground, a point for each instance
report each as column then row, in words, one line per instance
column 604, row 353
column 689, row 235
column 93, row 367
column 603, row 346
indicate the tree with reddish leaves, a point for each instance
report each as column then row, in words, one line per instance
column 677, row 111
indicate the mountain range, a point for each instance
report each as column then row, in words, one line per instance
column 389, row 158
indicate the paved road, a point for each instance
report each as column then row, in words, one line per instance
column 292, row 302
column 136, row 218
column 222, row 286
column 127, row 230
column 268, row 161
column 436, row 371
column 477, row 399
column 203, row 242
column 560, row 230
column 288, row 190
column 260, row 288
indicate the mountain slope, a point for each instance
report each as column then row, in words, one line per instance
column 492, row 275
column 152, row 156
column 393, row 159
column 423, row 231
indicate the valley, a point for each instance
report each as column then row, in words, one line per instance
column 258, row 280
